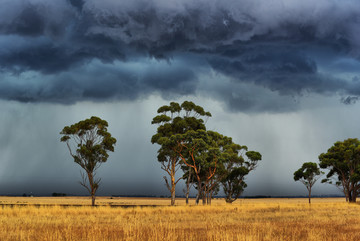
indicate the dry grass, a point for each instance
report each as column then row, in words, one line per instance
column 250, row 219
column 87, row 201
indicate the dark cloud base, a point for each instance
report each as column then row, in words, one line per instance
column 280, row 48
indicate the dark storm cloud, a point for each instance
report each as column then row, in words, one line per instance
column 287, row 47
column 280, row 69
column 78, row 4
column 99, row 81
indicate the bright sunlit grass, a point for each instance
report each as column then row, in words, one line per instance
column 247, row 219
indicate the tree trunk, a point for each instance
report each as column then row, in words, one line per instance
column 229, row 198
column 172, row 193
column 228, row 192
column 353, row 193
column 188, row 187
column 204, row 194
column 92, row 188
column 310, row 195
column 346, row 196
column 172, row 177
column 199, row 190
column 350, row 198
column 93, row 200
column 197, row 199
column 173, row 186
column 210, row 197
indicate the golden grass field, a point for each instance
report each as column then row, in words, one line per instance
column 246, row 219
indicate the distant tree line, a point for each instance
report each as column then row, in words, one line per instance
column 208, row 160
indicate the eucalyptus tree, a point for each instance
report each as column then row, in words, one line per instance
column 343, row 162
column 89, row 143
column 175, row 119
column 308, row 174
column 200, row 151
column 239, row 163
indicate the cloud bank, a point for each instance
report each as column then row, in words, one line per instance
column 252, row 55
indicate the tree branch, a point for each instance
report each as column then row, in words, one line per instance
column 167, row 183
column 83, row 182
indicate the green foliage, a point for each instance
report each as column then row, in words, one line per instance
column 175, row 119
column 307, row 174
column 343, row 162
column 92, row 142
column 198, row 148
column 203, row 151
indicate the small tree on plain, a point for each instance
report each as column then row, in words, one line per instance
column 308, row 175
column 89, row 142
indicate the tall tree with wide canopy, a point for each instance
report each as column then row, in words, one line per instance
column 239, row 163
column 175, row 119
column 343, row 162
column 89, row 143
column 308, row 174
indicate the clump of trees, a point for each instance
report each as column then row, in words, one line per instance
column 89, row 142
column 209, row 160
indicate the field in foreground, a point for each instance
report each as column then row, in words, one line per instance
column 247, row 219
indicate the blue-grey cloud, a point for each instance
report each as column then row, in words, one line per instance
column 289, row 48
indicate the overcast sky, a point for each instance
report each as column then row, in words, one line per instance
column 280, row 76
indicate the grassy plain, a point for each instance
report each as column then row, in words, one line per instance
column 246, row 219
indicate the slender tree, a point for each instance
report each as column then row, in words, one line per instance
column 89, row 143
column 308, row 174
column 343, row 162
column 189, row 180
column 175, row 119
